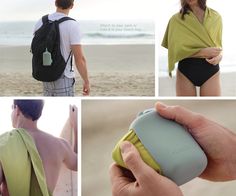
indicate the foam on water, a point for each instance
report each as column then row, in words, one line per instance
column 92, row 32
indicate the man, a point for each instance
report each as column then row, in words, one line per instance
column 30, row 159
column 218, row 142
column 70, row 41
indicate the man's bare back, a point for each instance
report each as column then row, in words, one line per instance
column 53, row 152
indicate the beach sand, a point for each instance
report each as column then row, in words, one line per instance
column 228, row 85
column 105, row 122
column 114, row 70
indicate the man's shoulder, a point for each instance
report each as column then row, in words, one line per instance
column 57, row 16
column 51, row 138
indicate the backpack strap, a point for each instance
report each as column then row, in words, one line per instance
column 45, row 19
column 65, row 19
column 70, row 57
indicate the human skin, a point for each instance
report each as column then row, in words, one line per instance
column 213, row 55
column 54, row 152
column 80, row 60
column 81, row 66
column 142, row 181
column 218, row 143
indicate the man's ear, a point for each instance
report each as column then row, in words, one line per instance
column 18, row 112
column 72, row 6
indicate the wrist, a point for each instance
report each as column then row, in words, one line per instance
column 86, row 82
column 233, row 158
column 203, row 53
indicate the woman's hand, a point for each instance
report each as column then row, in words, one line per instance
column 208, row 53
column 211, row 52
column 215, row 60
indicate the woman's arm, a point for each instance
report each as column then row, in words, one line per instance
column 208, row 53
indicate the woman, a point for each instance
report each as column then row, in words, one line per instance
column 194, row 39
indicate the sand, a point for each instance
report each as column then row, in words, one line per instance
column 105, row 122
column 228, row 85
column 114, row 70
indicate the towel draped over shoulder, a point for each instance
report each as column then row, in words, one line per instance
column 22, row 165
column 185, row 37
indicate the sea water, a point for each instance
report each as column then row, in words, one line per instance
column 92, row 32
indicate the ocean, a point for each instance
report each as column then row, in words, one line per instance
column 92, row 32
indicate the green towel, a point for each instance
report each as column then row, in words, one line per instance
column 22, row 165
column 146, row 156
column 184, row 38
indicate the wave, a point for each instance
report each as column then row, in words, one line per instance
column 127, row 36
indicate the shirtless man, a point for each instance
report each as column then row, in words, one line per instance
column 53, row 151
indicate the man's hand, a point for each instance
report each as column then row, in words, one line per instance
column 3, row 184
column 218, row 142
column 143, row 181
column 86, row 89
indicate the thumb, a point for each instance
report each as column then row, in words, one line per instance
column 134, row 162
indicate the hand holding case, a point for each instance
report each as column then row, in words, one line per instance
column 166, row 146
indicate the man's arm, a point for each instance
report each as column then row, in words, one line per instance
column 70, row 157
column 81, row 66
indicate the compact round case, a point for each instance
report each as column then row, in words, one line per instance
column 164, row 145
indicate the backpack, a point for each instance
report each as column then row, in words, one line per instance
column 48, row 63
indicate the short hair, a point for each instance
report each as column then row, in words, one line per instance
column 31, row 109
column 64, row 4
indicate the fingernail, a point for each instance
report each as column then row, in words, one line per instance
column 161, row 105
column 125, row 147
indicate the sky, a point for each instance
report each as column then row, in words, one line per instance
column 54, row 116
column 84, row 9
column 103, row 9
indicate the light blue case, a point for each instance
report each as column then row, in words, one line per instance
column 180, row 157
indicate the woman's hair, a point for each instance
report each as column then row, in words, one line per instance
column 31, row 109
column 64, row 4
column 185, row 7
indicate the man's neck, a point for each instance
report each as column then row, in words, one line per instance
column 65, row 11
column 29, row 126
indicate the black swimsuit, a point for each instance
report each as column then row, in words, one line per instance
column 197, row 70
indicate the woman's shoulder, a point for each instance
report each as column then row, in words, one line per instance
column 176, row 16
column 213, row 12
